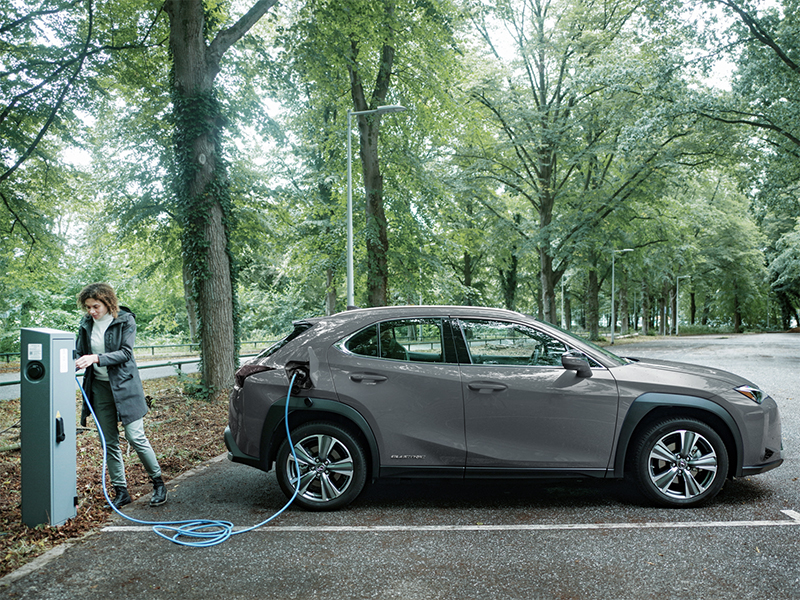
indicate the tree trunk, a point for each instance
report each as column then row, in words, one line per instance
column 191, row 305
column 368, row 128
column 538, row 294
column 201, row 182
column 673, row 308
column 549, row 278
column 663, row 309
column 377, row 230
column 623, row 308
column 593, row 306
column 508, row 281
column 549, row 275
column 468, row 266
column 645, row 310
column 218, row 344
column 330, row 292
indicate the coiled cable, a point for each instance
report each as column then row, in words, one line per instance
column 196, row 533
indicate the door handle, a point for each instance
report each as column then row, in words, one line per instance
column 368, row 378
column 486, row 387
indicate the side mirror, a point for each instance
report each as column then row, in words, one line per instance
column 574, row 361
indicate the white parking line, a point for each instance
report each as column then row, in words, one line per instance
column 794, row 519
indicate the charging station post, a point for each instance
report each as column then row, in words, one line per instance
column 48, row 436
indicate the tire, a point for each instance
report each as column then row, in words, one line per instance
column 680, row 463
column 333, row 466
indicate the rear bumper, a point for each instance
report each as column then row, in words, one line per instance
column 235, row 454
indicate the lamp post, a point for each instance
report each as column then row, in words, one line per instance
column 678, row 299
column 613, row 312
column 389, row 108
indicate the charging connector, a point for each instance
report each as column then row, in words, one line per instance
column 299, row 374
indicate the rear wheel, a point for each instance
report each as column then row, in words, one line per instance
column 680, row 462
column 331, row 463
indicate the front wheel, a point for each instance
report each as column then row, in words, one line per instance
column 680, row 463
column 331, row 463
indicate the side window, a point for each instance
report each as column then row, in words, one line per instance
column 501, row 343
column 411, row 340
column 365, row 342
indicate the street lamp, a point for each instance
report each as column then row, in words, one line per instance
column 613, row 313
column 389, row 108
column 678, row 299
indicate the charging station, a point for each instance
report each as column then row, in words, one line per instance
column 47, row 406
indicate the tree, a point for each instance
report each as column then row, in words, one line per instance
column 579, row 124
column 372, row 54
column 762, row 43
column 768, row 71
column 53, row 54
column 201, row 181
column 785, row 275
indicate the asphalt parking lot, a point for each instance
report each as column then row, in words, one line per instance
column 531, row 540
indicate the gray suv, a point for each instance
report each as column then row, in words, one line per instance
column 467, row 392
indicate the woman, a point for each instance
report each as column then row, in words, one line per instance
column 113, row 387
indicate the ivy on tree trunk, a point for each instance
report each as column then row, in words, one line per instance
column 201, row 182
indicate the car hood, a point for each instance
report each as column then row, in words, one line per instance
column 650, row 374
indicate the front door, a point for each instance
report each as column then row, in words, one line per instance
column 523, row 410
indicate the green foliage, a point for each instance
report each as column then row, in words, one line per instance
column 194, row 387
column 762, row 42
column 328, row 57
column 785, row 267
column 580, row 127
column 573, row 135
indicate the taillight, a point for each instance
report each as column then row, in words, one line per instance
column 246, row 370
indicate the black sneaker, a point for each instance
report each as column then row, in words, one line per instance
column 121, row 497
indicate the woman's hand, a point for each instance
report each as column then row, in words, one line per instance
column 86, row 360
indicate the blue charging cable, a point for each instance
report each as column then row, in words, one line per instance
column 200, row 533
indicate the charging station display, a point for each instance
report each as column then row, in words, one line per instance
column 47, row 407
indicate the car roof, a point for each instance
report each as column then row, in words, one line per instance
column 379, row 313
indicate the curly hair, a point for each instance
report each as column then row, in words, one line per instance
column 102, row 292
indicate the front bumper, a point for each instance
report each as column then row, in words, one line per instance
column 755, row 470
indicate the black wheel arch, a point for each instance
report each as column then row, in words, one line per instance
column 654, row 406
column 304, row 410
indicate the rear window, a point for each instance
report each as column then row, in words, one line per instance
column 299, row 328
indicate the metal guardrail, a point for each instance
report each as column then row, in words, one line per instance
column 138, row 350
column 170, row 363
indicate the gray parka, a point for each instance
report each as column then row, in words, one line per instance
column 123, row 374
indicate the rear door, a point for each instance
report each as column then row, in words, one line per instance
column 399, row 376
column 524, row 410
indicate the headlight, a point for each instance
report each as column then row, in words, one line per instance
column 755, row 394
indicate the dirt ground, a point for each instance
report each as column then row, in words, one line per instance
column 183, row 431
